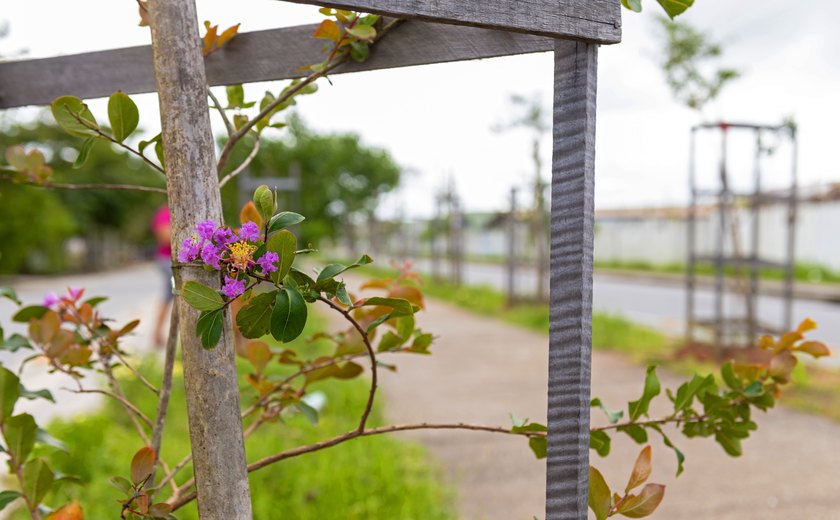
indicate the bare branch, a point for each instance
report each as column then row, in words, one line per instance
column 137, row 374
column 75, row 186
column 165, row 388
column 241, row 168
column 228, row 126
column 254, row 466
column 130, row 408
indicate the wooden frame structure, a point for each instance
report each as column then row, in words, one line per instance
column 437, row 31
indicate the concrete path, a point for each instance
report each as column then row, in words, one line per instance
column 482, row 370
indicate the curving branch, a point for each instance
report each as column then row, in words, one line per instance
column 80, row 186
column 218, row 106
column 241, row 168
column 165, row 388
column 179, row 502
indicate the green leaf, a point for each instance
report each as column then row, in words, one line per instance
column 600, row 442
column 612, row 415
column 202, row 297
column 675, row 7
column 235, row 96
column 209, row 327
column 123, row 115
column 36, row 394
column 390, row 341
column 122, row 484
column 19, row 432
column 401, row 307
column 38, row 478
column 343, row 297
column 29, row 312
column 84, row 151
column 15, row 342
column 264, row 202
column 359, row 51
column 254, row 319
column 645, row 503
column 96, row 300
column 334, row 270
column 307, row 411
column 284, row 219
column 651, row 390
column 289, row 315
column 727, row 371
column 687, row 391
column 10, row 390
column 635, row 432
column 362, row 32
column 600, row 500
column 729, row 442
column 539, row 445
column 67, row 109
column 667, row 441
column 633, row 5
column 284, row 244
column 9, row 293
column 7, row 497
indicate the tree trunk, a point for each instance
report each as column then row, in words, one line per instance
column 209, row 375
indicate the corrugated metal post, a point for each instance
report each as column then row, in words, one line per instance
column 572, row 234
column 720, row 240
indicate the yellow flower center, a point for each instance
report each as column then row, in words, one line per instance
column 240, row 254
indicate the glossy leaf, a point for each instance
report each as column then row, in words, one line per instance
column 38, row 478
column 84, row 151
column 538, row 445
column 362, row 32
column 289, row 315
column 123, row 115
column 36, row 394
column 9, row 293
column 201, row 297
column 254, row 319
column 30, row 312
column 600, row 500
column 600, row 441
column 250, row 213
column 284, row 219
column 235, row 96
column 9, row 392
column 633, row 5
column 209, row 327
column 284, row 244
column 142, row 465
column 328, row 30
column 74, row 116
column 651, row 390
column 641, row 470
column 675, row 7
column 19, row 432
column 612, row 415
column 7, row 497
column 645, row 503
column 264, row 201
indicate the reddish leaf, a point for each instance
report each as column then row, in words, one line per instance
column 249, row 213
column 142, row 464
column 259, row 354
column 160, row 510
column 328, row 30
column 71, row 511
column 815, row 348
column 641, row 470
column 806, row 325
column 226, row 36
column 645, row 503
column 128, row 327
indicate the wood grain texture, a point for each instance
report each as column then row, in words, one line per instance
column 572, row 233
column 257, row 56
column 209, row 375
column 597, row 21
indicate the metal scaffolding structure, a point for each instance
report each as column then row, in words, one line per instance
column 736, row 271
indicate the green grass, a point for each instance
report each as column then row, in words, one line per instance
column 369, row 478
column 802, row 272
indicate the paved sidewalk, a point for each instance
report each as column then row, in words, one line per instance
column 482, row 370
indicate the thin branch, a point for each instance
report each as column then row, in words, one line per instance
column 80, row 186
column 103, row 135
column 171, row 475
column 254, row 466
column 242, row 132
column 666, row 420
column 137, row 374
column 228, row 126
column 241, row 168
column 371, row 355
column 133, row 410
column 165, row 387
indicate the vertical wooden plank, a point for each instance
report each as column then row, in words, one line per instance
column 572, row 233
column 210, row 380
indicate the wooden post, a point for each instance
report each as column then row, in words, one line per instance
column 572, row 234
column 209, row 375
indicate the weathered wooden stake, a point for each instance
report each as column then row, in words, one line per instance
column 572, row 233
column 209, row 375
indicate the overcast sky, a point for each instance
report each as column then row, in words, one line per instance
column 437, row 120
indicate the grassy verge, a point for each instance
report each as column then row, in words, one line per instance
column 370, row 478
column 802, row 272
column 813, row 389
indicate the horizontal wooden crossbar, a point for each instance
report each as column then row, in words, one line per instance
column 597, row 21
column 256, row 56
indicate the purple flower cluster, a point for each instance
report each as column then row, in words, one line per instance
column 233, row 287
column 220, row 247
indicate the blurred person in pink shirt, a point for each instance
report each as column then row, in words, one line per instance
column 163, row 258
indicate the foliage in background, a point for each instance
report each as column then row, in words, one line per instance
column 342, row 180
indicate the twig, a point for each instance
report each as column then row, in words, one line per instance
column 241, row 168
column 137, row 374
column 134, row 411
column 239, row 134
column 81, row 186
column 665, row 420
column 171, row 474
column 254, row 466
column 228, row 126
column 371, row 355
column 165, row 387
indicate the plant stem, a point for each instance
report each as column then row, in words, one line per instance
column 165, row 389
